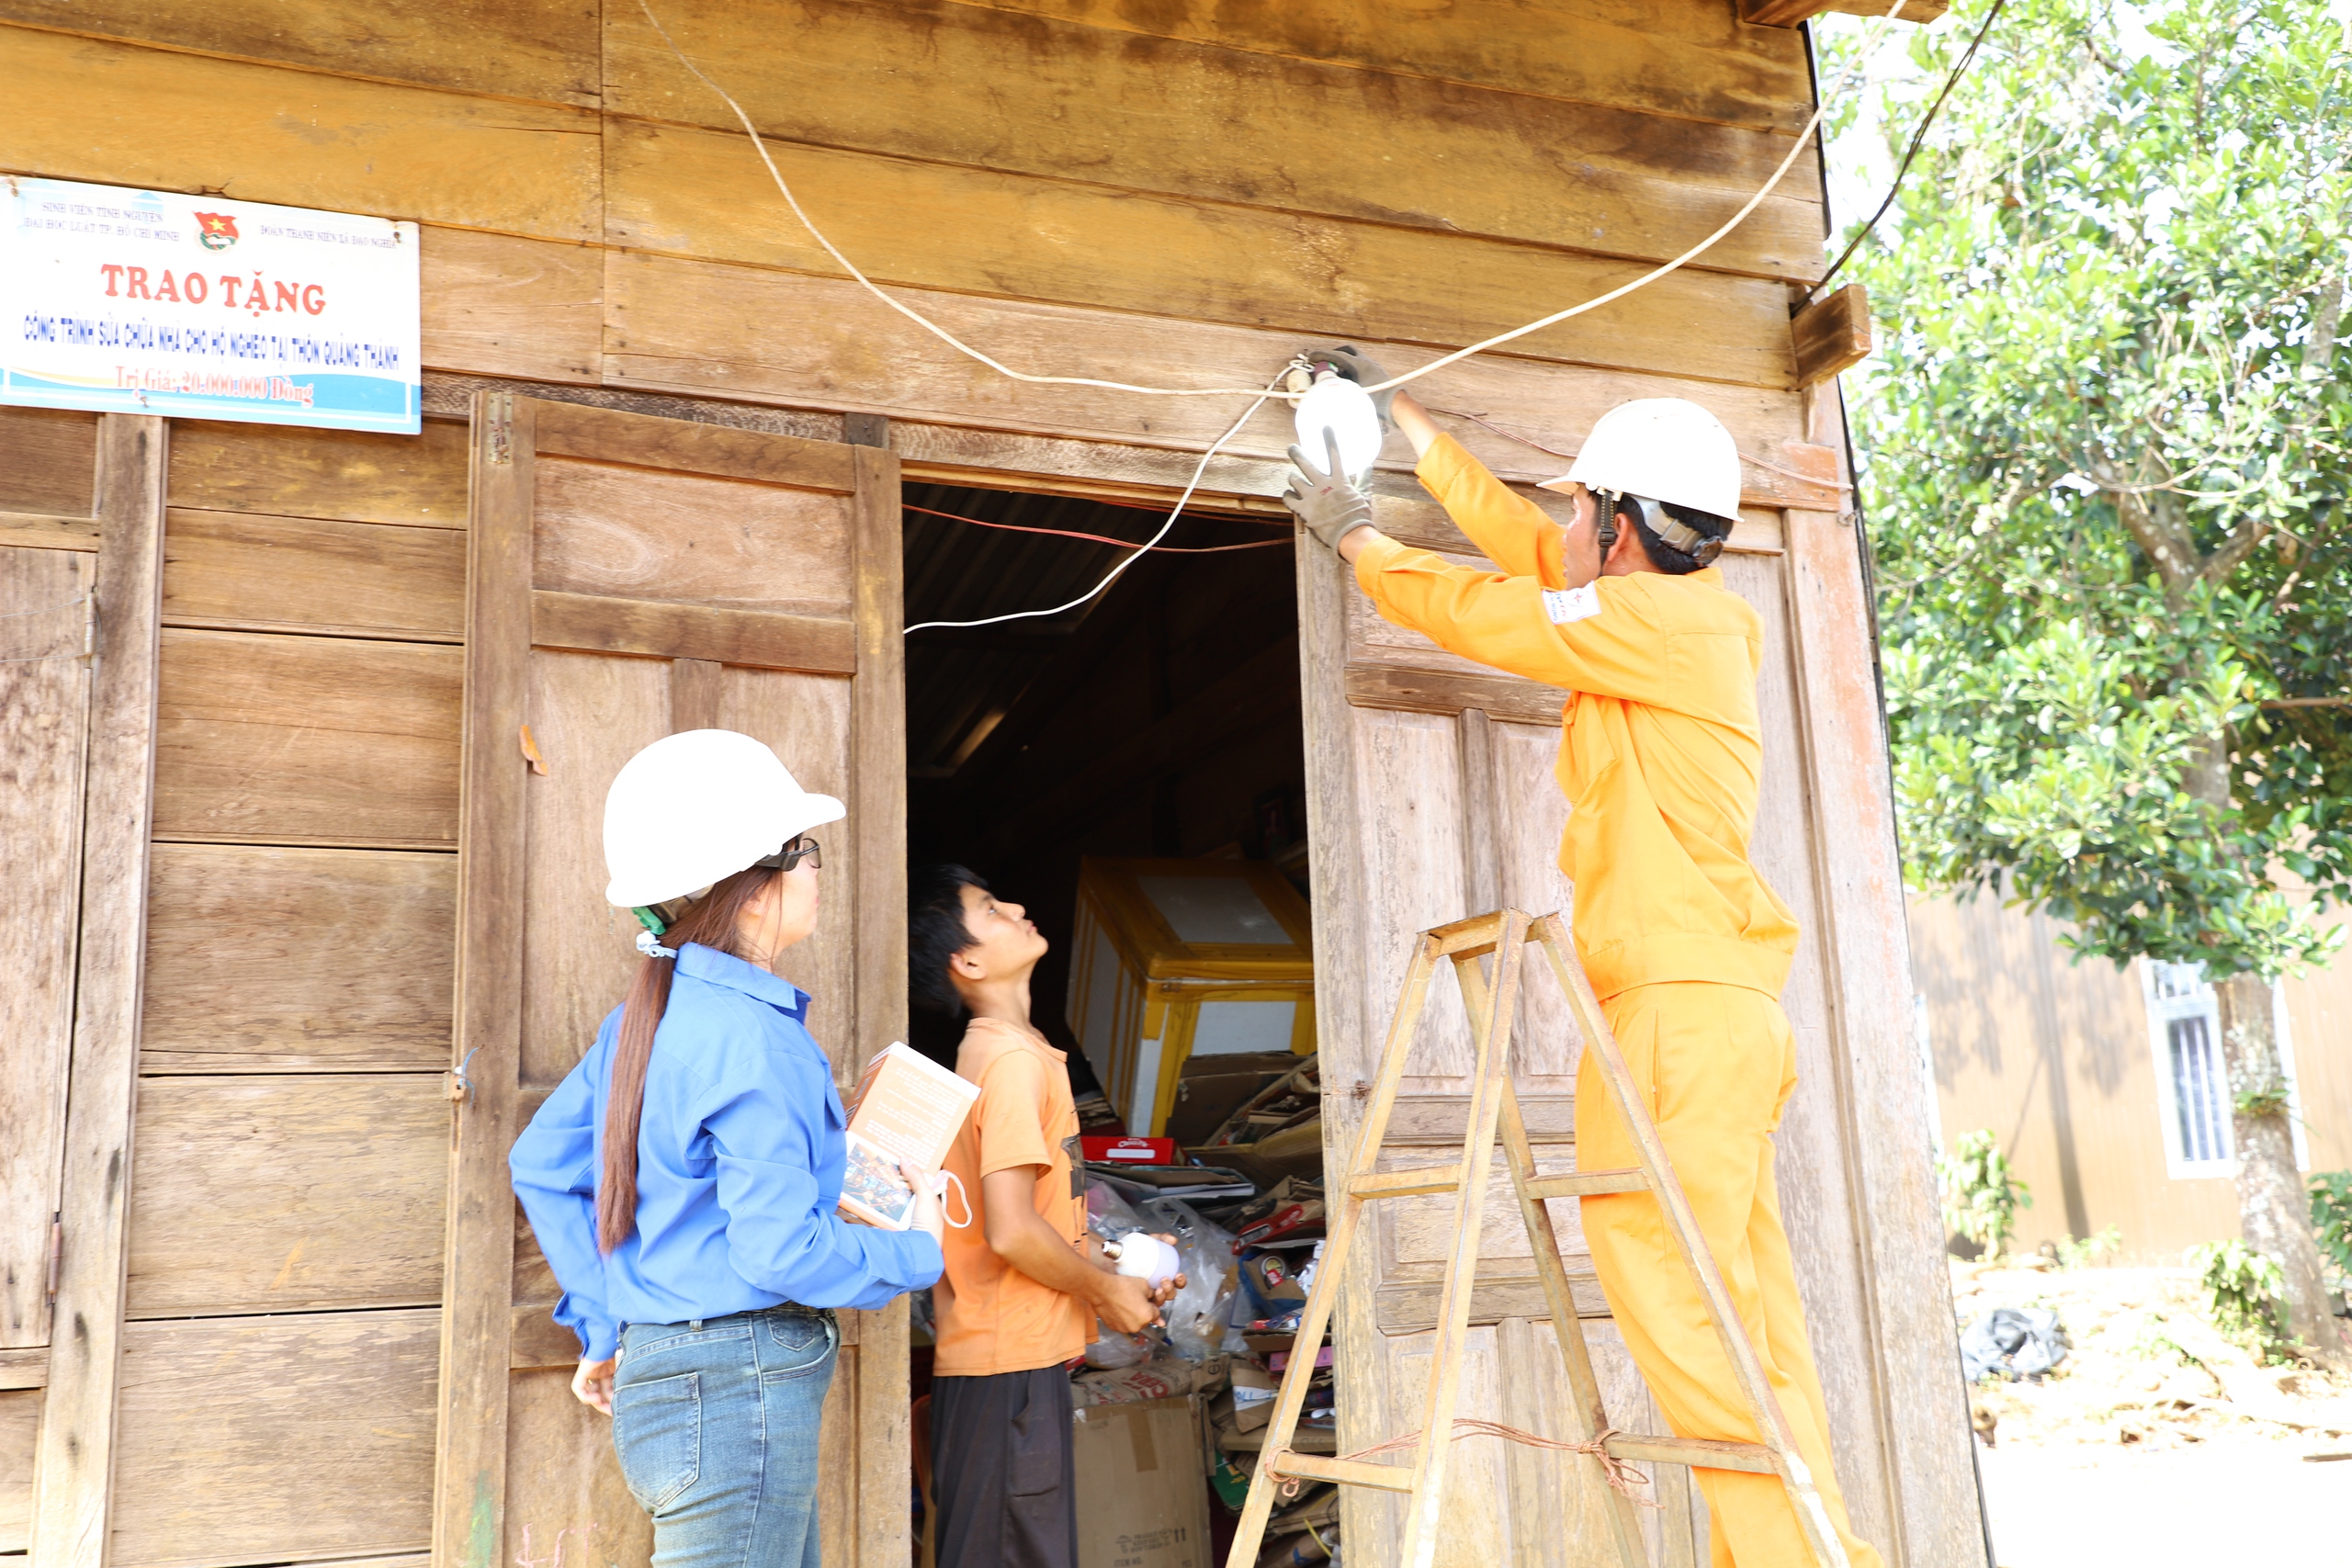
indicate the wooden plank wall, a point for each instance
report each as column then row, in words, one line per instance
column 281, row 1363
column 1186, row 192
column 48, row 470
column 1192, row 190
column 2056, row 1057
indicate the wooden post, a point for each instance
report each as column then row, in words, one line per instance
column 1865, row 953
column 1342, row 1022
column 75, row 1458
column 477, row 1292
column 878, row 821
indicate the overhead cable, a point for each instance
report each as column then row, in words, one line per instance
column 1097, row 538
column 1802, row 138
column 1175, row 511
column 1919, row 138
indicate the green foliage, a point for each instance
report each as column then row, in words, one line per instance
column 2245, row 1293
column 1981, row 1192
column 2332, row 1217
column 2073, row 1254
column 2108, row 452
column 2272, row 1100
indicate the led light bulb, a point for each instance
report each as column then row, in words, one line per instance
column 1336, row 403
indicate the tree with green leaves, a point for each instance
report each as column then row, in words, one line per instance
column 2107, row 446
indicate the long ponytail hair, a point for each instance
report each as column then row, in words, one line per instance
column 709, row 920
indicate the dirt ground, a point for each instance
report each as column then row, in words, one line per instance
column 2158, row 1441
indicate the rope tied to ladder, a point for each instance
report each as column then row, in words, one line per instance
column 1622, row 1477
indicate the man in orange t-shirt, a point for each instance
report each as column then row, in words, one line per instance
column 1023, row 1288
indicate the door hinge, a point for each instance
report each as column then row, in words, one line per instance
column 498, row 410
column 56, row 1249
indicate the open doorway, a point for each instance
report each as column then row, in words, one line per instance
column 1160, row 719
column 1145, row 752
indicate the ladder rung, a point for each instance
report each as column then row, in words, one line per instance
column 1406, row 1183
column 1589, row 1183
column 1348, row 1472
column 1705, row 1452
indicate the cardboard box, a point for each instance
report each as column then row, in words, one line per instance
column 1142, row 1497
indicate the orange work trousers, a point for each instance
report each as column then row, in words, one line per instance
column 1715, row 1065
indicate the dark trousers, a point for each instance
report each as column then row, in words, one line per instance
column 1002, row 1471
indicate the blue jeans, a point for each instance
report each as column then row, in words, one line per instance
column 716, row 1425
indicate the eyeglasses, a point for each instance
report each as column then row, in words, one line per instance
column 792, row 854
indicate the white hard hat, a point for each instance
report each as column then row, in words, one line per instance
column 1666, row 449
column 697, row 806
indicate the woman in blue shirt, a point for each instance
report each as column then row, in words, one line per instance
column 682, row 1179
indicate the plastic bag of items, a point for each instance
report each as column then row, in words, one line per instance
column 1198, row 1315
column 2013, row 1342
column 1164, row 1377
column 1113, row 1349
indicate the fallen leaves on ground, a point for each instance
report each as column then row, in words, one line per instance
column 2147, row 1369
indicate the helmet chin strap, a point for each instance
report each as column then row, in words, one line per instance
column 1700, row 547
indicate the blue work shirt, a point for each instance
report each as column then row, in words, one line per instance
column 739, row 1163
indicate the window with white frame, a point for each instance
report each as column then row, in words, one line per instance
column 2192, row 1087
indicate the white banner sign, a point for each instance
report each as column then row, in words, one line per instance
column 132, row 302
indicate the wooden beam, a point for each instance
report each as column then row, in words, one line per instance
column 879, row 820
column 764, row 639
column 477, row 1316
column 74, row 1460
column 1831, row 334
column 1861, row 942
column 45, row 531
column 577, row 430
column 1503, row 697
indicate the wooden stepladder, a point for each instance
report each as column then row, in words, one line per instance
column 1492, row 1002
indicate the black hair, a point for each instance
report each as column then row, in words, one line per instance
column 1662, row 556
column 936, row 933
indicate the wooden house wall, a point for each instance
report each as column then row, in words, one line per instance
column 2056, row 1059
column 1183, row 193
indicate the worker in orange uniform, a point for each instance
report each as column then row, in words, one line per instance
column 1660, row 755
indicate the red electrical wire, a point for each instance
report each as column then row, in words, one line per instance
column 1096, row 538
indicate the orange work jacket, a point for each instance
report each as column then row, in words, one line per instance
column 1661, row 751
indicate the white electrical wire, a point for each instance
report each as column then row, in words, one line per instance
column 1804, row 136
column 1259, row 398
column 1195, row 483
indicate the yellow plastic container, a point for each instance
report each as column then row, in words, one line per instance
column 1177, row 958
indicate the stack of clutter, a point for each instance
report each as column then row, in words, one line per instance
column 1250, row 1260
column 1275, row 1132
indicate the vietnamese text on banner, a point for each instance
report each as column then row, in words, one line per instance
column 132, row 302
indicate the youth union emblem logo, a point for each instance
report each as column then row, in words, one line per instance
column 217, row 230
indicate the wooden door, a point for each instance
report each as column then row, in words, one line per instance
column 1430, row 798
column 630, row 577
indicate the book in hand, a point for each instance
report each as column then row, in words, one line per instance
column 906, row 1108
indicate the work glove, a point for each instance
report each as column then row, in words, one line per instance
column 1324, row 499
column 1364, row 371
